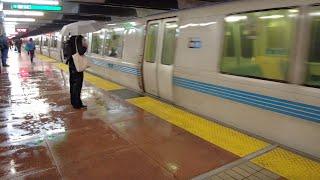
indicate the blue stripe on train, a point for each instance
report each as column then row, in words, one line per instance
column 117, row 67
column 295, row 109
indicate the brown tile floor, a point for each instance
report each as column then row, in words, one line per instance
column 42, row 137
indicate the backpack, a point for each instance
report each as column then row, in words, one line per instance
column 66, row 47
column 2, row 45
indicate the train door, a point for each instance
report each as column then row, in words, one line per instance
column 159, row 56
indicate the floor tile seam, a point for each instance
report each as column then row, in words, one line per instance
column 237, row 162
column 53, row 157
column 156, row 161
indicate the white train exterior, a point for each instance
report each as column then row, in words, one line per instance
column 185, row 68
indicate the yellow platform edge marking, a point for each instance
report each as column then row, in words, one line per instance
column 45, row 58
column 289, row 165
column 92, row 79
column 226, row 138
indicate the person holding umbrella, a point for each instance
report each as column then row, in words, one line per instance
column 74, row 50
column 76, row 44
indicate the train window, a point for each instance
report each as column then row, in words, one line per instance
column 169, row 39
column 107, row 43
column 96, row 42
column 54, row 42
column 151, row 43
column 115, row 44
column 258, row 44
column 45, row 41
column 37, row 41
column 229, row 39
column 313, row 64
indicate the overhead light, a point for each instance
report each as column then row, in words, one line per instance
column 293, row 10
column 10, row 23
column 133, row 23
column 292, row 15
column 46, row 2
column 19, row 19
column 111, row 24
column 235, row 18
column 314, row 14
column 189, row 25
column 171, row 26
column 271, row 17
column 23, row 13
column 118, row 29
column 208, row 23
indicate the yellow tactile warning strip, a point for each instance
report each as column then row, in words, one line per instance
column 62, row 66
column 101, row 83
column 45, row 58
column 226, row 138
column 289, row 165
column 94, row 80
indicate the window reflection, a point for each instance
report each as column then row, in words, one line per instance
column 313, row 63
column 258, row 44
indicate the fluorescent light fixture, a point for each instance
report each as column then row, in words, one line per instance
column 292, row 15
column 208, row 23
column 119, row 29
column 111, row 24
column 133, row 23
column 170, row 26
column 315, row 14
column 10, row 23
column 235, row 18
column 272, row 17
column 23, row 13
column 19, row 19
column 45, row 2
column 189, row 25
column 293, row 10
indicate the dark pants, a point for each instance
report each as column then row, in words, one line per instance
column 4, row 55
column 31, row 53
column 76, row 80
column 19, row 49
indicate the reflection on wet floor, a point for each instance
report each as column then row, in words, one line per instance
column 42, row 136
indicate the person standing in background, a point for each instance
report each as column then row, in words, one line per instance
column 18, row 43
column 31, row 46
column 4, row 49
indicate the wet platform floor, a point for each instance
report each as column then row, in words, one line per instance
column 43, row 137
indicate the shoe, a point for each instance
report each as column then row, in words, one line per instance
column 6, row 65
column 76, row 107
column 84, row 107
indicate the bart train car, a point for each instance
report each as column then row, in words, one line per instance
column 251, row 64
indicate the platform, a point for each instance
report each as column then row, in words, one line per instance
column 122, row 135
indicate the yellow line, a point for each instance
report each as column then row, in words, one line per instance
column 226, row 138
column 62, row 66
column 94, row 80
column 101, row 83
column 45, row 58
column 289, row 165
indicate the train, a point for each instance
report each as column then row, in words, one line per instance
column 250, row 64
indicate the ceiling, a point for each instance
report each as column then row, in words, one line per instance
column 101, row 10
